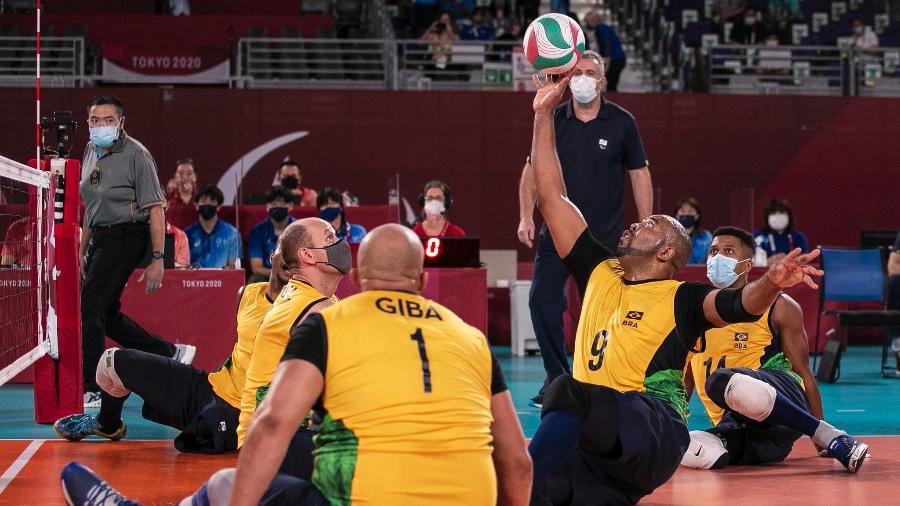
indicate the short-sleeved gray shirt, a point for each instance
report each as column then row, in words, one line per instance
column 125, row 187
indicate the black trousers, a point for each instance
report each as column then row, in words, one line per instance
column 613, row 73
column 113, row 254
column 547, row 302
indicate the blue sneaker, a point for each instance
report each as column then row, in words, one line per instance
column 848, row 451
column 78, row 427
column 84, row 488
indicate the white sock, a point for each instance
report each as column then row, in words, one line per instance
column 825, row 432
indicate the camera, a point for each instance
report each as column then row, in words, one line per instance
column 61, row 124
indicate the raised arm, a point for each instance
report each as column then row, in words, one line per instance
column 721, row 307
column 562, row 217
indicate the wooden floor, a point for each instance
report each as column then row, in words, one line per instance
column 153, row 472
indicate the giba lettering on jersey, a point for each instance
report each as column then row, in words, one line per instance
column 406, row 307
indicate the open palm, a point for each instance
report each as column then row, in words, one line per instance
column 794, row 269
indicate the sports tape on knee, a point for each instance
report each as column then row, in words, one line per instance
column 704, row 452
column 750, row 397
column 107, row 378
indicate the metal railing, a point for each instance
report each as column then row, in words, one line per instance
column 877, row 72
column 62, row 61
column 784, row 70
column 373, row 64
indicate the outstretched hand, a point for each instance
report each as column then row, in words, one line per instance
column 549, row 93
column 794, row 269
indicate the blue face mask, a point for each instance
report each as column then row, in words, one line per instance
column 720, row 270
column 330, row 213
column 104, row 136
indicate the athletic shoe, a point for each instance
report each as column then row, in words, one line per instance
column 537, row 401
column 705, row 451
column 848, row 451
column 78, row 427
column 184, row 353
column 91, row 400
column 81, row 486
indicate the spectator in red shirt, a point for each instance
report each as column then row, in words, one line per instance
column 289, row 177
column 436, row 200
column 182, row 252
column 182, row 188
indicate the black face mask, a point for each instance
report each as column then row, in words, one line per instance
column 687, row 220
column 278, row 214
column 290, row 182
column 207, row 211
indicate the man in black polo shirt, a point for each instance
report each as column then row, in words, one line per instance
column 596, row 141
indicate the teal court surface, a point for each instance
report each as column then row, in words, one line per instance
column 146, row 466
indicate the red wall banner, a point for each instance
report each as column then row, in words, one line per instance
column 835, row 159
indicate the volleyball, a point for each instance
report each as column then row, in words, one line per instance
column 553, row 43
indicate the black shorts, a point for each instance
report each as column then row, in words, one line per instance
column 653, row 438
column 750, row 442
column 181, row 397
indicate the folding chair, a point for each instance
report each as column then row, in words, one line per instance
column 857, row 275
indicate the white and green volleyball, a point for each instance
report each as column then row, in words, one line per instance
column 553, row 43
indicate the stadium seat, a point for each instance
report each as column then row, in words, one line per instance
column 857, row 275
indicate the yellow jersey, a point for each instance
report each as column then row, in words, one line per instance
column 406, row 405
column 633, row 336
column 754, row 345
column 228, row 381
column 291, row 305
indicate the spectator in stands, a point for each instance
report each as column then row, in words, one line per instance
column 783, row 13
column 501, row 22
column 479, row 29
column 350, row 200
column 441, row 35
column 18, row 243
column 264, row 235
column 863, row 36
column 687, row 212
column 610, row 48
column 331, row 209
column 778, row 237
column 214, row 244
column 182, row 188
column 514, row 33
column 436, row 201
column 750, row 31
column 289, row 177
column 182, row 251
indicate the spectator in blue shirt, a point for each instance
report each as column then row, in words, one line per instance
column 687, row 212
column 479, row 29
column 777, row 236
column 610, row 48
column 264, row 235
column 331, row 209
column 214, row 244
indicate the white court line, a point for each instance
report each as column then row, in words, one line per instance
column 10, row 474
column 850, row 410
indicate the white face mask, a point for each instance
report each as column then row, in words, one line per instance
column 434, row 208
column 778, row 222
column 720, row 270
column 584, row 88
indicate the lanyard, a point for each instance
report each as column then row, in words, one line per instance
column 790, row 238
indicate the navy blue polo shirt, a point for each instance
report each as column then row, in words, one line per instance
column 594, row 156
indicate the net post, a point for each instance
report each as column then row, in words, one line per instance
column 58, row 382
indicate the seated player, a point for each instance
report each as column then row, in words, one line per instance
column 414, row 406
column 615, row 430
column 745, row 368
column 184, row 397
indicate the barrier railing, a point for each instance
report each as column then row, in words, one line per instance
column 787, row 70
column 62, row 61
column 877, row 72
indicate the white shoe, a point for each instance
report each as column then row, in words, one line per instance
column 91, row 400
column 706, row 451
column 184, row 353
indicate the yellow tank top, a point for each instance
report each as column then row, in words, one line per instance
column 292, row 304
column 228, row 381
column 407, row 405
column 627, row 338
column 751, row 345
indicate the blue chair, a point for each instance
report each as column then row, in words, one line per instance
column 857, row 275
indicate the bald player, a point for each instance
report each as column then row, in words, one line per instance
column 414, row 407
column 615, row 430
column 176, row 394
